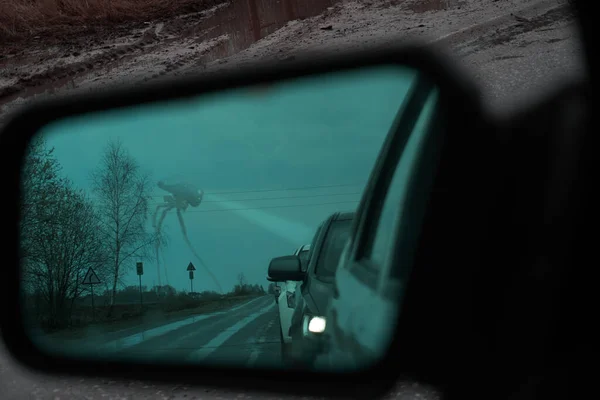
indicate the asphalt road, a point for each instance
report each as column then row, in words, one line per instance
column 246, row 335
column 512, row 64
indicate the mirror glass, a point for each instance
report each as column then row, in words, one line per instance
column 147, row 231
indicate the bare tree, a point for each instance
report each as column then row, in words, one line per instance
column 123, row 194
column 242, row 285
column 59, row 237
column 61, row 252
column 40, row 183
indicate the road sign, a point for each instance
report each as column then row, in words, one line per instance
column 140, row 271
column 191, row 274
column 191, row 277
column 191, row 267
column 91, row 278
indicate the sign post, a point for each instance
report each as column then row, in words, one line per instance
column 91, row 279
column 191, row 270
column 140, row 272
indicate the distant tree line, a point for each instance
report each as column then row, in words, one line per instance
column 131, row 294
column 242, row 287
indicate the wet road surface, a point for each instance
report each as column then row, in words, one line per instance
column 247, row 335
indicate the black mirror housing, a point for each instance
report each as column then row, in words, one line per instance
column 462, row 104
column 286, row 268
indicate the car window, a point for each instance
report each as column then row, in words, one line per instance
column 379, row 248
column 312, row 247
column 337, row 236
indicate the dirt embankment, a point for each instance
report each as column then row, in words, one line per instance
column 163, row 38
column 159, row 38
column 40, row 47
column 56, row 21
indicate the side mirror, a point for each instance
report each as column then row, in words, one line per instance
column 286, row 268
column 200, row 345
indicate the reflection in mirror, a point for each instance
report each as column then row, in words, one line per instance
column 147, row 232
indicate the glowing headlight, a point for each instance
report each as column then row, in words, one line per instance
column 317, row 325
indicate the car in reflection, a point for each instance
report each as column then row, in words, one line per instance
column 316, row 284
column 286, row 301
column 375, row 265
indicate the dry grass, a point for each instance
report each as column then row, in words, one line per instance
column 24, row 18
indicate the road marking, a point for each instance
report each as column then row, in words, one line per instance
column 137, row 338
column 221, row 338
column 204, row 327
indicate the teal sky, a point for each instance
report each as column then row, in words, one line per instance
column 273, row 165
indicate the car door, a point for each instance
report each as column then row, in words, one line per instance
column 369, row 281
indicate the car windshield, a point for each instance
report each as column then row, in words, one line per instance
column 337, row 235
column 312, row 246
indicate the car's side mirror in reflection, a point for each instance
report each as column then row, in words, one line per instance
column 286, row 268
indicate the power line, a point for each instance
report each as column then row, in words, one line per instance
column 275, row 190
column 267, row 207
column 280, row 198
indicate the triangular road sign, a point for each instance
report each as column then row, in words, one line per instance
column 91, row 278
column 191, row 267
